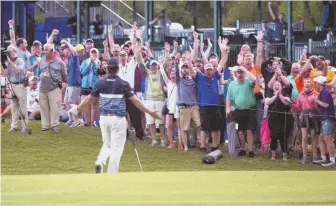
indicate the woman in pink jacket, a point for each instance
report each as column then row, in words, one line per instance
column 308, row 119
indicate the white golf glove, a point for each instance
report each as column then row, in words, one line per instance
column 74, row 110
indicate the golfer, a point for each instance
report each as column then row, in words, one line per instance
column 112, row 93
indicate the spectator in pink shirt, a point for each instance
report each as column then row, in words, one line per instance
column 308, row 121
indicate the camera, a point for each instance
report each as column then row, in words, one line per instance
column 4, row 57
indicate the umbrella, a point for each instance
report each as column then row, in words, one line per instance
column 232, row 135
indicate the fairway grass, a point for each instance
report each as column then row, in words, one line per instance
column 172, row 188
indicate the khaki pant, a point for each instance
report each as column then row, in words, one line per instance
column 17, row 103
column 188, row 114
column 50, row 104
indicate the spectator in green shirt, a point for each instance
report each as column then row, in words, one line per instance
column 241, row 100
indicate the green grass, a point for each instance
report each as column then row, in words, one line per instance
column 56, row 169
column 75, row 151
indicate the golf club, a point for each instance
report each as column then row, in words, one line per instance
column 136, row 152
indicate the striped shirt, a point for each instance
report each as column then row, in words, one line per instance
column 113, row 93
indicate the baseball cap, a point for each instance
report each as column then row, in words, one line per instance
column 128, row 42
column 208, row 66
column 184, row 64
column 124, row 45
column 320, row 79
column 79, row 47
column 89, row 40
column 94, row 50
column 295, row 65
column 31, row 78
column 113, row 61
column 37, row 42
column 122, row 53
column 153, row 62
column 11, row 48
column 63, row 46
column 236, row 68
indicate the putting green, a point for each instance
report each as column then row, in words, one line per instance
column 172, row 188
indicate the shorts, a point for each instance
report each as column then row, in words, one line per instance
column 328, row 127
column 211, row 120
column 175, row 113
column 246, row 119
column 156, row 106
column 72, row 95
column 312, row 122
column 187, row 114
column 86, row 91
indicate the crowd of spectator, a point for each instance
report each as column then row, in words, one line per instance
column 295, row 99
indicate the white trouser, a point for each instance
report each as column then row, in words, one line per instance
column 113, row 129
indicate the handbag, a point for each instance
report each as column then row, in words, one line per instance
column 165, row 109
column 265, row 137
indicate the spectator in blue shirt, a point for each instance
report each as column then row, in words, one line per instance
column 280, row 25
column 268, row 32
column 209, row 101
column 36, row 58
column 73, row 89
column 20, row 44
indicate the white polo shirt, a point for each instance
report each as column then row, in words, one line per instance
column 127, row 72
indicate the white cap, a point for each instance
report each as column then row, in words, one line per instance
column 31, row 78
column 208, row 66
column 321, row 80
column 236, row 68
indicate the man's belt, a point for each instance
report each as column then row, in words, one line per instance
column 109, row 114
column 16, row 82
column 183, row 106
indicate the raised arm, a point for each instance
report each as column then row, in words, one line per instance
column 11, row 24
column 222, row 43
column 50, row 40
column 223, row 60
column 194, row 52
column 259, row 58
column 166, row 51
column 163, row 74
column 175, row 49
column 106, row 54
column 249, row 75
column 270, row 10
column 177, row 72
column 110, row 37
column 72, row 48
column 138, row 58
column 207, row 52
column 148, row 49
column 272, row 80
